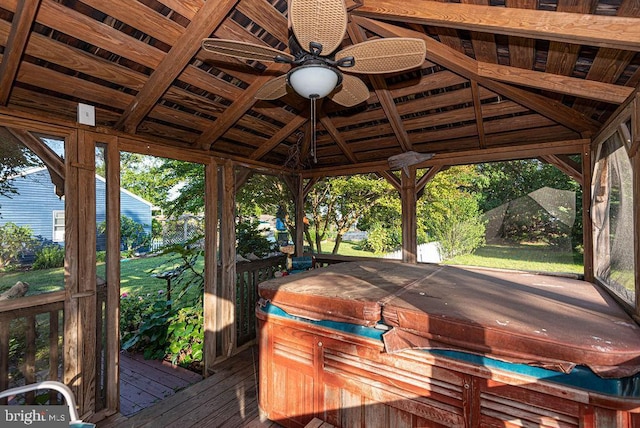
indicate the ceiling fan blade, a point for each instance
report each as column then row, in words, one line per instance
column 273, row 89
column 243, row 50
column 323, row 22
column 385, row 55
column 352, row 92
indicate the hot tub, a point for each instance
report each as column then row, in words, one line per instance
column 390, row 344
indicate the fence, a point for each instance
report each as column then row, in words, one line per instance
column 176, row 231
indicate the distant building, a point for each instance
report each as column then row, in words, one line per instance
column 36, row 205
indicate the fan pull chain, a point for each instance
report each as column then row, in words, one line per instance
column 313, row 129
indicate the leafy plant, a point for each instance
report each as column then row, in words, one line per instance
column 186, row 336
column 151, row 336
column 250, row 240
column 14, row 241
column 132, row 234
column 49, row 256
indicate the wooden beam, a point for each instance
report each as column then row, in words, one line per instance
column 428, row 176
column 16, row 44
column 467, row 67
column 225, row 299
column 391, row 179
column 333, row 131
column 477, row 109
column 53, row 162
column 564, row 166
column 208, row 138
column 278, row 137
column 587, row 214
column 622, row 114
column 385, row 99
column 635, row 126
column 582, row 88
column 598, row 30
column 464, row 157
column 201, row 26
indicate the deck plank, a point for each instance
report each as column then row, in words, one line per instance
column 145, row 382
column 227, row 398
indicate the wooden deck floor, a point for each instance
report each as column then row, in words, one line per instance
column 145, row 382
column 228, row 398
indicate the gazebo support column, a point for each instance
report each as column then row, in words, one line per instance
column 227, row 287
column 299, row 196
column 409, row 227
column 211, row 265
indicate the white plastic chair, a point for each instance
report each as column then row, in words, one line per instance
column 63, row 389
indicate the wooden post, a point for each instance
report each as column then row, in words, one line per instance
column 587, row 224
column 210, row 265
column 225, row 304
column 635, row 162
column 80, row 281
column 300, row 216
column 409, row 227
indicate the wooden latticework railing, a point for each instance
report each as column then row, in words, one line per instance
column 31, row 340
column 248, row 276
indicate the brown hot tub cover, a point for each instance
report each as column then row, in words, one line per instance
column 553, row 322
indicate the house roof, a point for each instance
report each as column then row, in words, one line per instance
column 532, row 77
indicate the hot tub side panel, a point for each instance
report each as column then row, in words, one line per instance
column 309, row 370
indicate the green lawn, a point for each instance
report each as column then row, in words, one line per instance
column 529, row 257
column 135, row 276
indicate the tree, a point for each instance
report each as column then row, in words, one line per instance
column 14, row 158
column 502, row 182
column 353, row 196
column 449, row 213
column 132, row 233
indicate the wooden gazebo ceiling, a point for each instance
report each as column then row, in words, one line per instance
column 497, row 74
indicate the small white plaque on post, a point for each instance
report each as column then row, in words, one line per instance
column 86, row 114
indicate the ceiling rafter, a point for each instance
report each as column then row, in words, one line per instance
column 384, row 95
column 233, row 113
column 335, row 134
column 278, row 137
column 598, row 30
column 581, row 88
column 16, row 45
column 467, row 67
column 202, row 25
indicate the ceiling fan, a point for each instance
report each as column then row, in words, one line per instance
column 318, row 28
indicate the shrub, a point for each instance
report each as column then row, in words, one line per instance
column 146, row 330
column 250, row 240
column 49, row 256
column 186, row 336
column 14, row 241
column 381, row 239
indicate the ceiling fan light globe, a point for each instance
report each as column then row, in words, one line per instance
column 314, row 80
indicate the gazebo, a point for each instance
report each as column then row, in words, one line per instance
column 500, row 80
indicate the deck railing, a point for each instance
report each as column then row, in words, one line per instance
column 31, row 340
column 248, row 276
column 31, row 328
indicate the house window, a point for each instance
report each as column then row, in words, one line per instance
column 58, row 226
